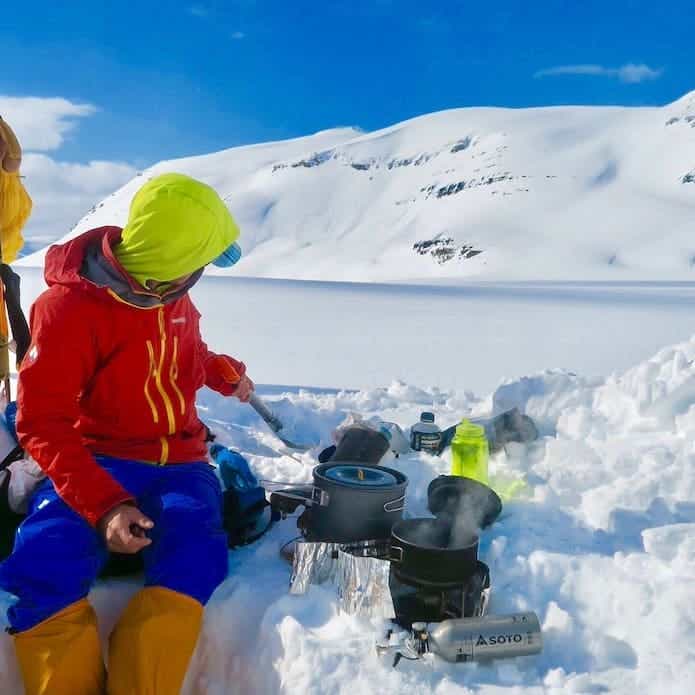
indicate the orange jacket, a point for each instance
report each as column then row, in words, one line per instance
column 112, row 369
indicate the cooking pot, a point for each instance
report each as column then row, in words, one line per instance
column 433, row 552
column 348, row 502
column 358, row 443
column 361, row 443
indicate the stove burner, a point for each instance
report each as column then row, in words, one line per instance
column 415, row 602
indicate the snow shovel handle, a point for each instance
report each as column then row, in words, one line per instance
column 274, row 422
column 265, row 412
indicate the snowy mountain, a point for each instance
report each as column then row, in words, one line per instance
column 599, row 193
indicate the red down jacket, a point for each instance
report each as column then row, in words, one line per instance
column 106, row 376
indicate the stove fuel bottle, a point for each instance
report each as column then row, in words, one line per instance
column 425, row 435
column 488, row 637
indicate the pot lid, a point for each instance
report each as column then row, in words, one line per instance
column 451, row 497
column 360, row 476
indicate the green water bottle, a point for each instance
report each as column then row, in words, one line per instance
column 469, row 452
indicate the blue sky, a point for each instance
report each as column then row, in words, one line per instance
column 177, row 78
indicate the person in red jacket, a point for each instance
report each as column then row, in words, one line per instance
column 106, row 403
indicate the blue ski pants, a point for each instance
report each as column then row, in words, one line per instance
column 57, row 555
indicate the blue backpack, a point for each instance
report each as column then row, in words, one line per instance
column 246, row 513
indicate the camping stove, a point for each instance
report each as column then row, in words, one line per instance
column 415, row 601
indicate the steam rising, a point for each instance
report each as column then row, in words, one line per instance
column 465, row 505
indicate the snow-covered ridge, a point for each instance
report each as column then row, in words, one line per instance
column 683, row 111
column 549, row 193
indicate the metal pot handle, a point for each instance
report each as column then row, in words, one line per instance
column 398, row 501
column 392, row 549
column 318, row 497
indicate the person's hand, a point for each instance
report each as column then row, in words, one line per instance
column 244, row 389
column 124, row 529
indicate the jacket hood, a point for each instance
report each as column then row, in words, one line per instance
column 88, row 262
column 176, row 226
column 64, row 261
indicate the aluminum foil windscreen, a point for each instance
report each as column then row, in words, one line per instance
column 313, row 563
column 359, row 573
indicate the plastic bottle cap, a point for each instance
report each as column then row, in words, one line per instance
column 427, row 417
column 466, row 428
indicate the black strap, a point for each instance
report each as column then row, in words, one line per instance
column 18, row 322
column 446, row 439
column 14, row 455
column 275, row 516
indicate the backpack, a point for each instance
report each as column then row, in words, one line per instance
column 246, row 513
column 9, row 520
column 10, row 451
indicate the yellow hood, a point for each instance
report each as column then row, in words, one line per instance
column 176, row 226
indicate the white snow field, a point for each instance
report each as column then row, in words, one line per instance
column 600, row 544
column 466, row 337
column 564, row 193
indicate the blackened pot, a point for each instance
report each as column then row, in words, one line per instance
column 433, row 552
column 361, row 444
column 463, row 501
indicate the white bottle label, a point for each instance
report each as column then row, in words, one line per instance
column 427, row 441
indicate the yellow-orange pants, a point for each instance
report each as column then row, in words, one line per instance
column 149, row 649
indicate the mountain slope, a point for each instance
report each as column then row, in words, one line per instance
column 552, row 193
